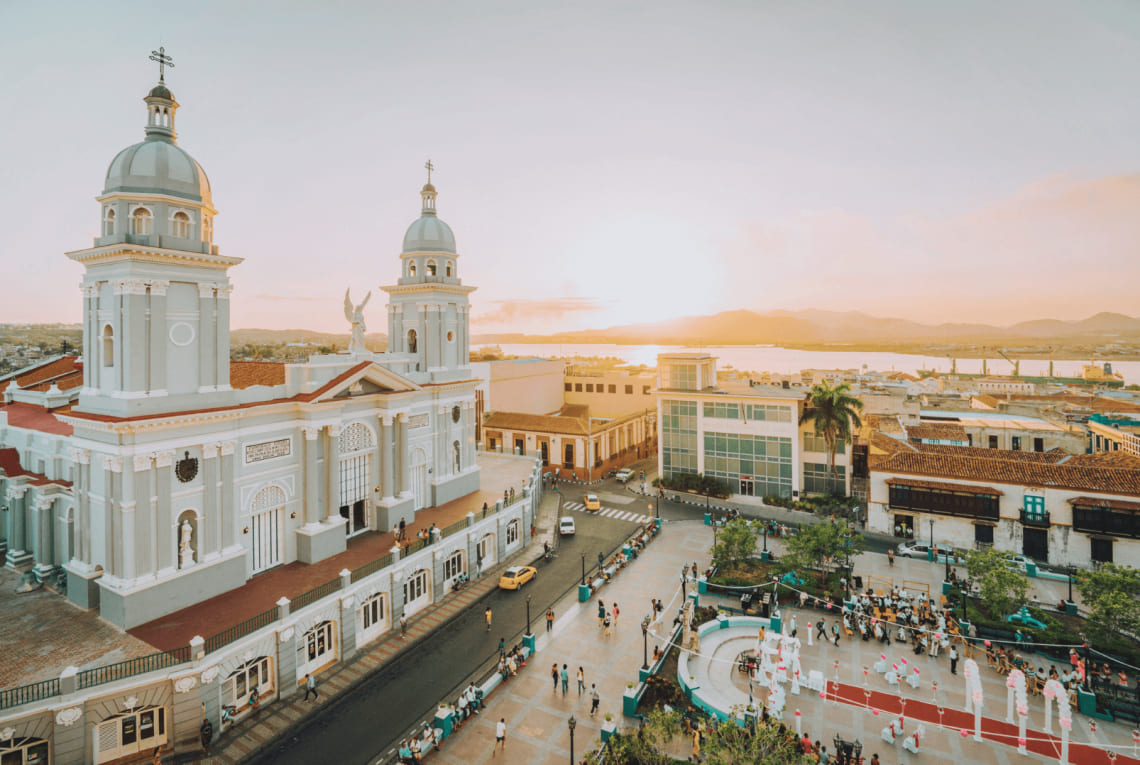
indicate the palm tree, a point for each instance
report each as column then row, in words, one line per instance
column 835, row 415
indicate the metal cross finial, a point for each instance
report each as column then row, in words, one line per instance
column 163, row 62
column 429, row 167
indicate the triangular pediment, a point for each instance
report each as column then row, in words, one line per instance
column 367, row 380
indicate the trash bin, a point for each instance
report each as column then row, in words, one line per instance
column 1030, row 569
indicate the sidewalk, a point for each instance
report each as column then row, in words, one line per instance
column 280, row 719
column 537, row 717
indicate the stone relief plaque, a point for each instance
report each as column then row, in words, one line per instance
column 268, row 450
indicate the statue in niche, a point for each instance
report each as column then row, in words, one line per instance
column 185, row 551
column 455, row 446
column 355, row 316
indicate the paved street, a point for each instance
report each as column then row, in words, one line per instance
column 360, row 726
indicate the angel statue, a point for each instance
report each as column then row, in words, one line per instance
column 356, row 317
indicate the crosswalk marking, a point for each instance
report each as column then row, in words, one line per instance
column 609, row 512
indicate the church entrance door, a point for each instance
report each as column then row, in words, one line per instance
column 354, row 514
column 419, row 479
column 266, row 545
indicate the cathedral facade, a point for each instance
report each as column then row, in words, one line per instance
column 152, row 473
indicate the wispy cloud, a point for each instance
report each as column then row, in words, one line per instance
column 294, row 298
column 520, row 312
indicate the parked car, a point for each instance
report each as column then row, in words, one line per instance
column 566, row 525
column 922, row 550
column 624, row 475
column 516, row 576
column 592, row 502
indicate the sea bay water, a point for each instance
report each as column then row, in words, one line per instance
column 770, row 358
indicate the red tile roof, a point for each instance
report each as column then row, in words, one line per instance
column 1115, row 504
column 246, row 374
column 11, row 468
column 34, row 417
column 44, row 372
column 937, row 432
column 997, row 466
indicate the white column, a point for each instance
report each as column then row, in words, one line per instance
column 165, row 533
column 209, row 530
column 227, row 513
column 332, row 468
column 312, row 479
column 387, row 457
column 402, row 456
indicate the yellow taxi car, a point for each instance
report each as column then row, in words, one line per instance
column 592, row 502
column 516, row 576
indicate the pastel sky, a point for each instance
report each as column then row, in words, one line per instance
column 602, row 162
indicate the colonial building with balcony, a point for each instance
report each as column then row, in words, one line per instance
column 1058, row 508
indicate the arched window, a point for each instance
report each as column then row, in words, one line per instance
column 431, row 268
column 207, row 228
column 373, row 617
column 180, row 225
column 453, row 565
column 141, row 220
column 513, row 532
column 411, row 268
column 108, row 346
column 411, row 341
column 447, row 266
column 109, row 221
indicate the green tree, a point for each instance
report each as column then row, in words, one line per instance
column 729, row 743
column 823, row 545
column 645, row 746
column 1002, row 586
column 1112, row 595
column 834, row 414
column 735, row 542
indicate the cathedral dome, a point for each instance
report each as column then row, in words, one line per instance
column 428, row 233
column 156, row 166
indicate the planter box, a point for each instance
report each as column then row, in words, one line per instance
column 608, row 729
column 629, row 702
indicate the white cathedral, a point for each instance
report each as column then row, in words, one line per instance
column 153, row 473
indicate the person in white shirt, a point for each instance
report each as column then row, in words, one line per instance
column 500, row 736
column 464, row 711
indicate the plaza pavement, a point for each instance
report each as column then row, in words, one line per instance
column 537, row 717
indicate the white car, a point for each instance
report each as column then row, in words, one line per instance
column 624, row 475
column 566, row 525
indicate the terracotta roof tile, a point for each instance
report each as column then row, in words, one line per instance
column 536, row 423
column 43, row 372
column 987, row 400
column 1115, row 504
column 34, row 417
column 68, row 381
column 995, row 466
column 885, row 443
column 937, row 432
column 1051, row 457
column 246, row 374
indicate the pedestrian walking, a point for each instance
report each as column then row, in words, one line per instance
column 606, row 624
column 403, row 530
column 311, row 687
column 835, row 632
column 820, row 632
column 502, row 647
column 404, row 626
column 549, row 619
column 565, row 680
column 595, row 699
column 500, row 736
column 601, row 612
column 488, row 616
column 891, row 558
column 581, row 681
column 615, row 615
column 953, row 660
column 793, row 625
column 554, row 675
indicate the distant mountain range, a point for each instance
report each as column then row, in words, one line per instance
column 809, row 327
column 832, row 327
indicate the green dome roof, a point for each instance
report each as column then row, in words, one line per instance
column 158, row 166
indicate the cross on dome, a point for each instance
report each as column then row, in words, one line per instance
column 429, row 167
column 163, row 60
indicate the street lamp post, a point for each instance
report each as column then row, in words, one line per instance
column 571, row 722
column 765, row 538
column 1070, row 584
column 684, row 570
column 583, row 569
column 645, row 643
column 528, row 614
column 931, row 532
column 660, row 499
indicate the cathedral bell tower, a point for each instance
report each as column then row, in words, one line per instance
column 428, row 309
column 156, row 308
